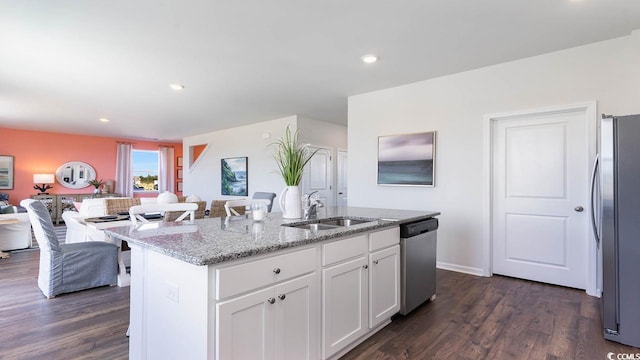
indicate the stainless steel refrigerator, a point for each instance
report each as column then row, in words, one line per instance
column 616, row 223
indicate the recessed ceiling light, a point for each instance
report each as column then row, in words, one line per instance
column 176, row 87
column 105, row 120
column 369, row 58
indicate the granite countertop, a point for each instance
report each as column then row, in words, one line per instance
column 214, row 240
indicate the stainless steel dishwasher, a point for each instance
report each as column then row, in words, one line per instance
column 418, row 263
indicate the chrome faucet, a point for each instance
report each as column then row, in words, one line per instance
column 311, row 206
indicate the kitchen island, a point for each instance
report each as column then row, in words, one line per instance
column 223, row 288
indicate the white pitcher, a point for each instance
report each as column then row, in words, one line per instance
column 290, row 202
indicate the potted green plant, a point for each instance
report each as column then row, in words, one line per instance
column 96, row 184
column 291, row 158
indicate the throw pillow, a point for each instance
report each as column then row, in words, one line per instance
column 6, row 209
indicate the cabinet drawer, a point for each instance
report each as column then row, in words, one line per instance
column 236, row 279
column 343, row 249
column 384, row 238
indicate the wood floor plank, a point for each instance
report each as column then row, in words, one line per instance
column 89, row 324
column 471, row 318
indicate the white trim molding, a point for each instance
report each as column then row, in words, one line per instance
column 460, row 268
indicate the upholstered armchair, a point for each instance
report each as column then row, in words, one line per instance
column 15, row 231
column 69, row 267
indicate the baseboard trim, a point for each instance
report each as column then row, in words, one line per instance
column 459, row 268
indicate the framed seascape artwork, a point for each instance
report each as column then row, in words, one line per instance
column 407, row 159
column 6, row 172
column 233, row 176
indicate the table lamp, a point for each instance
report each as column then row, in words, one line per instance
column 45, row 180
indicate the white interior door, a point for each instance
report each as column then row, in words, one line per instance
column 318, row 176
column 342, row 195
column 540, row 197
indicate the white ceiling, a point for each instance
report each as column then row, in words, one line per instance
column 65, row 64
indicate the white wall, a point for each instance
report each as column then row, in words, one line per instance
column 322, row 133
column 203, row 178
column 455, row 105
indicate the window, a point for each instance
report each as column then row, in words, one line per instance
column 145, row 170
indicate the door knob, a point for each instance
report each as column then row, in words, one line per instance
column 271, row 300
column 579, row 209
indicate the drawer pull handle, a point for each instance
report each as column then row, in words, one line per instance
column 365, row 267
column 282, row 296
column 276, row 271
column 375, row 262
column 271, row 300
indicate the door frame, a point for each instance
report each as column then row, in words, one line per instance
column 337, row 175
column 589, row 109
column 332, row 169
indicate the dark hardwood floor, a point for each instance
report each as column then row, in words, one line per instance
column 495, row 318
column 472, row 318
column 88, row 324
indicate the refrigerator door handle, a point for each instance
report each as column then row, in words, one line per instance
column 594, row 225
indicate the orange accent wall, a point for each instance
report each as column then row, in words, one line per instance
column 197, row 150
column 38, row 152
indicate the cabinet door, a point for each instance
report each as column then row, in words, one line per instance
column 344, row 304
column 297, row 312
column 244, row 326
column 384, row 286
column 64, row 203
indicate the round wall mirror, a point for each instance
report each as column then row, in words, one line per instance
column 75, row 174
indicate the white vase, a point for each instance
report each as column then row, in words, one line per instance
column 290, row 202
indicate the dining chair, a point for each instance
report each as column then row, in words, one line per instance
column 76, row 231
column 67, row 268
column 136, row 213
column 115, row 206
column 199, row 213
column 230, row 205
column 265, row 195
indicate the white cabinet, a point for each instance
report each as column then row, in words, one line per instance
column 361, row 287
column 278, row 322
column 345, row 293
column 315, row 301
column 245, row 327
column 384, row 285
column 296, row 325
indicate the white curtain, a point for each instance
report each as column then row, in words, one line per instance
column 166, row 171
column 124, row 170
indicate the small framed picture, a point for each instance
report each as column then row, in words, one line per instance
column 179, row 176
column 6, row 172
column 234, row 175
column 179, row 185
column 180, row 161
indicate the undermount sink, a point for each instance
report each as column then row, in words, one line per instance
column 328, row 224
column 342, row 222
